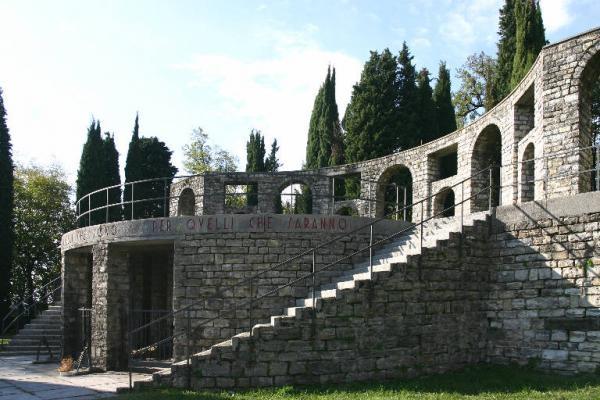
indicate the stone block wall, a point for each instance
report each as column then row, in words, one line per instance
column 206, row 266
column 545, row 293
column 425, row 316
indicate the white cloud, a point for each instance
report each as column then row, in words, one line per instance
column 276, row 94
column 421, row 42
column 467, row 20
column 556, row 14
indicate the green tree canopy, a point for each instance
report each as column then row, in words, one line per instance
column 529, row 38
column 200, row 157
column 147, row 158
column 410, row 131
column 371, row 120
column 272, row 163
column 476, row 79
column 6, row 210
column 426, row 115
column 325, row 140
column 43, row 213
column 442, row 97
column 98, row 168
column 255, row 152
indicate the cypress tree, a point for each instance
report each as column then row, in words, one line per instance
column 442, row 97
column 132, row 165
column 427, row 118
column 325, row 141
column 147, row 158
column 255, row 162
column 112, row 176
column 272, row 163
column 410, row 132
column 506, row 51
column 371, row 119
column 90, row 175
column 529, row 38
column 6, row 210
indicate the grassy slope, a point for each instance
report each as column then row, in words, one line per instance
column 484, row 382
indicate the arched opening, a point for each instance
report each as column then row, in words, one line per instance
column 186, row 204
column 348, row 211
column 487, row 153
column 528, row 174
column 589, row 124
column 294, row 198
column 443, row 205
column 394, row 193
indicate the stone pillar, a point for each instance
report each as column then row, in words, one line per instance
column 76, row 277
column 110, row 303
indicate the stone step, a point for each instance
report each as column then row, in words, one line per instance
column 43, row 353
column 33, row 341
column 32, row 348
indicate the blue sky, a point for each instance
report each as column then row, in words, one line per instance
column 226, row 66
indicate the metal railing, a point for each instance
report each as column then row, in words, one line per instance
column 252, row 300
column 23, row 311
column 89, row 213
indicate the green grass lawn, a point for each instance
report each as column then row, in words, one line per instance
column 483, row 382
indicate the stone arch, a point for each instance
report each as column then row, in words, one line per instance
column 390, row 188
column 444, row 202
column 487, row 151
column 528, row 173
column 186, row 205
column 348, row 209
column 294, row 197
column 587, row 83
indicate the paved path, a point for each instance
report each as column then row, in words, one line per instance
column 22, row 380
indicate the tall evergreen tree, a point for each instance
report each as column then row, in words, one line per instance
column 112, row 176
column 255, row 162
column 410, row 131
column 132, row 165
column 325, row 140
column 147, row 158
column 272, row 163
column 529, row 37
column 506, row 52
column 90, row 176
column 6, row 210
column 255, row 152
column 371, row 120
column 442, row 97
column 426, row 110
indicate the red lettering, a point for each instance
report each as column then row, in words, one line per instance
column 269, row 222
column 191, row 224
column 341, row 222
column 210, row 224
column 298, row 224
column 306, row 222
column 314, row 224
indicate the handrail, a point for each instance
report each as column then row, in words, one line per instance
column 137, row 352
column 28, row 306
column 315, row 272
column 315, row 248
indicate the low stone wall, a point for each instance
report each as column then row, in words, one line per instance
column 426, row 316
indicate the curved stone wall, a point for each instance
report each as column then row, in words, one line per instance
column 549, row 108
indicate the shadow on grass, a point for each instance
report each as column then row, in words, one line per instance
column 473, row 381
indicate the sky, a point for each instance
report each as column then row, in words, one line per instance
column 226, row 66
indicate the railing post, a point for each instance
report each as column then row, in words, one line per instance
column 490, row 190
column 132, row 184
column 333, row 195
column 397, row 202
column 421, row 246
column 371, row 251
column 107, row 203
column 405, row 209
column 250, row 307
column 597, row 166
column 165, row 199
column 462, row 205
column 89, row 210
column 314, row 270
column 187, row 349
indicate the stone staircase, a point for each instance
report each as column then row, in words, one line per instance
column 208, row 372
column 47, row 324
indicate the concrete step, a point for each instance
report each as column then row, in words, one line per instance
column 32, row 348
